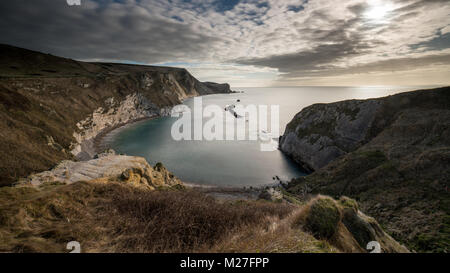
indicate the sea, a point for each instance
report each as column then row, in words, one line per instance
column 232, row 162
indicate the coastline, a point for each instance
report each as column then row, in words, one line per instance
column 99, row 143
column 102, row 142
column 219, row 192
column 225, row 193
column 99, row 139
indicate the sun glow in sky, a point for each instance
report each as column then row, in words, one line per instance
column 378, row 10
column 247, row 42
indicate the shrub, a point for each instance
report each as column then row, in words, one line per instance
column 323, row 217
column 348, row 203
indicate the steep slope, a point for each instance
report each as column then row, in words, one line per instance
column 52, row 108
column 393, row 157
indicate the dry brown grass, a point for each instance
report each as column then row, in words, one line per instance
column 185, row 220
column 114, row 217
column 284, row 235
column 108, row 216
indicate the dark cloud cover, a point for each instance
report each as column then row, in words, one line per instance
column 297, row 38
column 114, row 31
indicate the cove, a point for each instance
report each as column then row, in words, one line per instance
column 235, row 163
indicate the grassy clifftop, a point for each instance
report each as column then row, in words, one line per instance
column 119, row 217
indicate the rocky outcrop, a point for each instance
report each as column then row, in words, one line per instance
column 217, row 87
column 107, row 167
column 271, row 194
column 322, row 132
column 398, row 170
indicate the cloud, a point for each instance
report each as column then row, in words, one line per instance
column 389, row 65
column 101, row 30
column 354, row 44
column 248, row 39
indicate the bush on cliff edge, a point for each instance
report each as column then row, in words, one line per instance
column 323, row 217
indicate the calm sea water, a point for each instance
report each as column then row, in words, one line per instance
column 232, row 163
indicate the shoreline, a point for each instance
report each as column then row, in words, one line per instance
column 99, row 138
column 232, row 193
column 101, row 143
column 222, row 193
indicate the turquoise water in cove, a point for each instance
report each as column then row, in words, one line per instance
column 232, row 163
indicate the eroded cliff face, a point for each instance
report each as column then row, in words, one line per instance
column 133, row 107
column 166, row 88
column 52, row 108
column 322, row 132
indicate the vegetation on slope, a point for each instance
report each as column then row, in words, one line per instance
column 119, row 217
column 401, row 174
column 323, row 218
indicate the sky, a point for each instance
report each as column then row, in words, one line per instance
column 247, row 42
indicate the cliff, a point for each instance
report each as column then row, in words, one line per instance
column 322, row 132
column 391, row 154
column 52, row 108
